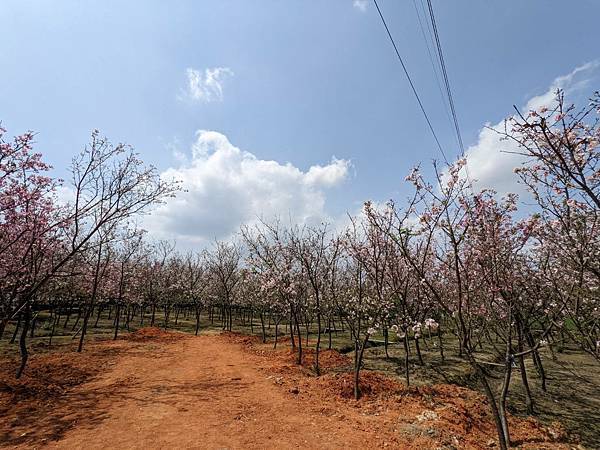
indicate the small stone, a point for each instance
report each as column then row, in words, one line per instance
column 427, row 415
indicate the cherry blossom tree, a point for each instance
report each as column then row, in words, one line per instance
column 561, row 146
column 224, row 263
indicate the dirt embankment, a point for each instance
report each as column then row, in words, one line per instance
column 153, row 389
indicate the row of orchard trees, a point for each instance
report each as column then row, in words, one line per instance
column 49, row 245
column 453, row 263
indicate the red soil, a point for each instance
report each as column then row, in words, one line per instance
column 151, row 334
column 154, row 389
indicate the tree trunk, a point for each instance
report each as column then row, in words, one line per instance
column 77, row 320
column 56, row 320
column 17, row 326
column 418, row 348
column 317, row 368
column 299, row 339
column 197, row 320
column 528, row 397
column 33, row 322
column 494, row 406
column 86, row 319
column 441, row 343
column 358, row 357
column 386, row 342
column 406, row 362
column 117, row 320
column 262, row 325
column 537, row 360
column 292, row 339
column 23, row 343
column 503, row 397
column 98, row 316
column 69, row 312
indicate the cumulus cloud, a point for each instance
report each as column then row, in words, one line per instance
column 361, row 5
column 226, row 187
column 490, row 161
column 206, row 86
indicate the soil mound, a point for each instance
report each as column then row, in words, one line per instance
column 152, row 334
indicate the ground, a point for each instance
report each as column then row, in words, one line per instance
column 153, row 389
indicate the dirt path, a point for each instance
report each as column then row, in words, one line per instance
column 201, row 393
column 169, row 390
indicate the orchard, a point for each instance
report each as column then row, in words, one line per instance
column 453, row 276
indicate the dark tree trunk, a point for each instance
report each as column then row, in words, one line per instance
column 418, row 348
column 528, row 397
column 329, row 332
column 98, row 316
column 17, row 326
column 197, row 320
column 117, row 320
column 299, row 339
column 292, row 339
column 262, row 325
column 276, row 334
column 33, row 322
column 56, row 320
column 129, row 316
column 318, row 348
column 386, row 342
column 503, row 397
column 406, row 361
column 492, row 401
column 86, row 319
column 69, row 312
column 358, row 357
column 77, row 320
column 23, row 343
column 441, row 343
column 537, row 360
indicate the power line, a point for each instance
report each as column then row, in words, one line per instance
column 449, row 90
column 410, row 81
column 445, row 76
column 431, row 59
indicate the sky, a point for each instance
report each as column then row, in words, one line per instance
column 297, row 109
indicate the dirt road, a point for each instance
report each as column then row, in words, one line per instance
column 164, row 390
column 201, row 393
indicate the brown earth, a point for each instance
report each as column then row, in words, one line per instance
column 153, row 389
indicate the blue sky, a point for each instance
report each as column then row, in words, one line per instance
column 301, row 82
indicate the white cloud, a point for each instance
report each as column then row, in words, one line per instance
column 361, row 5
column 575, row 81
column 206, row 86
column 327, row 176
column 490, row 161
column 227, row 187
